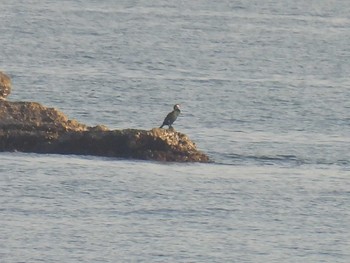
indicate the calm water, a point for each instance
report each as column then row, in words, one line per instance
column 264, row 90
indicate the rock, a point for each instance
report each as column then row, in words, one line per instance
column 32, row 116
column 31, row 127
column 5, row 86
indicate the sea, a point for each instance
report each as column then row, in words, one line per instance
column 264, row 90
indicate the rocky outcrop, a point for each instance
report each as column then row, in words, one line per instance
column 5, row 86
column 31, row 127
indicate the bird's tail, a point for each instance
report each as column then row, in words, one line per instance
column 161, row 126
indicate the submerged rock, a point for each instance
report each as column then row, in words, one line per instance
column 31, row 127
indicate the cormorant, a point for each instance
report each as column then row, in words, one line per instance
column 172, row 116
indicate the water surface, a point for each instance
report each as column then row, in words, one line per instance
column 264, row 90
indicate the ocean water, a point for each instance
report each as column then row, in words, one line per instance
column 264, row 91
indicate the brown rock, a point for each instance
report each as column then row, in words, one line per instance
column 32, row 116
column 5, row 86
column 31, row 127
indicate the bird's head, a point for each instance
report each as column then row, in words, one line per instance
column 176, row 107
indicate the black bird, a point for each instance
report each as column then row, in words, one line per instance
column 172, row 116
